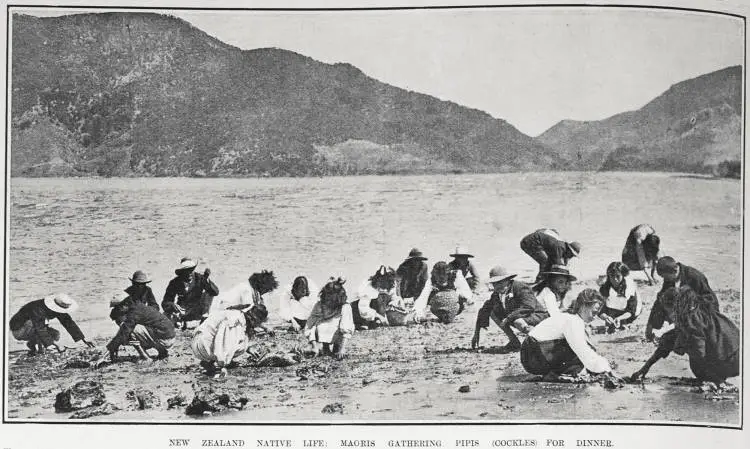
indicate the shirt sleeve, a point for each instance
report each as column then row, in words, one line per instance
column 70, row 326
column 462, row 287
column 550, row 302
column 420, row 304
column 483, row 316
column 575, row 335
column 365, row 294
column 123, row 334
column 210, row 287
column 167, row 303
column 285, row 309
column 657, row 317
column 346, row 326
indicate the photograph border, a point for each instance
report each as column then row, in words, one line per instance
column 317, row 423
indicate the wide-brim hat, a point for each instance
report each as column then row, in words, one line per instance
column 140, row 277
column 185, row 265
column 415, row 253
column 461, row 251
column 499, row 274
column 560, row 270
column 60, row 303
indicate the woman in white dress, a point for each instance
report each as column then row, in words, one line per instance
column 330, row 324
column 297, row 302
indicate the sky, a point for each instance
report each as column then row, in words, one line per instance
column 529, row 66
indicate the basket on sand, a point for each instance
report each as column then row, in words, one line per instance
column 398, row 316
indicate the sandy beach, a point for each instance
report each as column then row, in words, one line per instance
column 420, row 372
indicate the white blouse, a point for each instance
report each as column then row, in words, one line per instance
column 571, row 328
column 290, row 308
column 549, row 299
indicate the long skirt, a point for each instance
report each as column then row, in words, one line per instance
column 553, row 356
column 226, row 345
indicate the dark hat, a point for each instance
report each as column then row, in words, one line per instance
column 416, row 254
column 560, row 270
column 140, row 277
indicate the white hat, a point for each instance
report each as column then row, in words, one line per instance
column 186, row 264
column 60, row 303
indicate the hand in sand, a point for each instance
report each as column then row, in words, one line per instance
column 475, row 340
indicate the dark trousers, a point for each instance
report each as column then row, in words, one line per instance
column 538, row 254
column 554, row 356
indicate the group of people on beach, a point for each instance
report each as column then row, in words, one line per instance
column 555, row 338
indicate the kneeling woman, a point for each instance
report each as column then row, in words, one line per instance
column 558, row 345
column 622, row 304
column 225, row 335
column 330, row 322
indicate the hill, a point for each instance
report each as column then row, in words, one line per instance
column 695, row 126
column 121, row 94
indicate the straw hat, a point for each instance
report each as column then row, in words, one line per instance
column 186, row 264
column 499, row 274
column 461, row 251
column 560, row 270
column 415, row 253
column 575, row 248
column 60, row 303
column 139, row 277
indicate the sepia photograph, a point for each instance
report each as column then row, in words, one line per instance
column 382, row 214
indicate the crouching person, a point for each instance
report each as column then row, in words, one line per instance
column 559, row 345
column 449, row 293
column 710, row 339
column 29, row 324
column 512, row 305
column 225, row 335
column 331, row 323
column 142, row 324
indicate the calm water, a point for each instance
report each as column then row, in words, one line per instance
column 87, row 236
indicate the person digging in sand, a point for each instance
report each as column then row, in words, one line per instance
column 225, row 335
column 188, row 296
column 246, row 293
column 559, row 345
column 331, row 322
column 710, row 339
column 641, row 251
column 373, row 297
column 29, row 324
column 141, row 326
column 622, row 302
column 512, row 305
column 449, row 292
column 547, row 249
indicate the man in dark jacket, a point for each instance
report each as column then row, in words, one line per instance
column 189, row 295
column 678, row 275
column 149, row 327
column 140, row 292
column 30, row 323
column 511, row 305
column 547, row 249
column 413, row 274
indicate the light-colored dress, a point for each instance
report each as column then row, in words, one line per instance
column 290, row 308
column 365, row 294
column 332, row 329
column 221, row 337
column 242, row 293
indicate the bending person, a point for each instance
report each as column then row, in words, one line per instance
column 449, row 293
column 29, row 324
column 331, row 323
column 547, row 249
column 559, row 345
column 188, row 296
column 710, row 339
column 225, row 335
column 512, row 305
column 149, row 327
column 248, row 293
column 641, row 250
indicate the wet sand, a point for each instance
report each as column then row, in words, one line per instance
column 399, row 373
